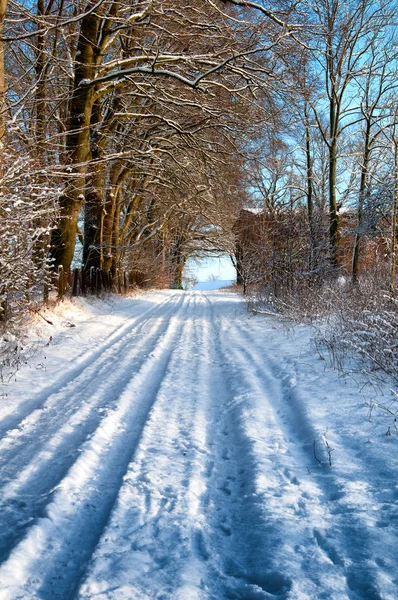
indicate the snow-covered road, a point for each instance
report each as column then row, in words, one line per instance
column 183, row 457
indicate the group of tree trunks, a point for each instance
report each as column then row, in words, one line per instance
column 132, row 133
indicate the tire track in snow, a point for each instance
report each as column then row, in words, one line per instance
column 194, row 485
column 158, row 508
column 241, row 537
column 344, row 536
column 59, row 408
column 281, row 481
column 197, row 569
column 81, row 505
column 12, row 420
column 47, row 454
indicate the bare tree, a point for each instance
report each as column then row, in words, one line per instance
column 3, row 88
column 344, row 35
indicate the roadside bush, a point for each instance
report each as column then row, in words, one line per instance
column 357, row 326
column 363, row 328
column 27, row 210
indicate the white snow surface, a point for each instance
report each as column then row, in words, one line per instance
column 164, row 450
column 213, row 285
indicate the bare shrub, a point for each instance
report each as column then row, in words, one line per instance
column 363, row 328
column 27, row 210
column 356, row 326
column 306, row 301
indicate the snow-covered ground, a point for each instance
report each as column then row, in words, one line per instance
column 213, row 285
column 169, row 447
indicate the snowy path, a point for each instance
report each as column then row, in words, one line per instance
column 175, row 461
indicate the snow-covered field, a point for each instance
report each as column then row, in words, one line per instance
column 213, row 285
column 169, row 447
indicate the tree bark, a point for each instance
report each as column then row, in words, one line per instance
column 310, row 179
column 95, row 205
column 178, row 261
column 3, row 90
column 394, row 219
column 116, row 254
column 40, row 103
column 361, row 202
column 109, row 217
column 77, row 141
column 93, row 219
column 3, row 87
column 333, row 215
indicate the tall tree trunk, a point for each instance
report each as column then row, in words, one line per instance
column 93, row 219
column 361, row 202
column 178, row 272
column 333, row 215
column 178, row 261
column 41, row 245
column 310, row 180
column 3, row 90
column 394, row 220
column 94, row 208
column 3, row 87
column 77, row 141
column 109, row 216
column 239, row 263
column 40, row 99
column 116, row 254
